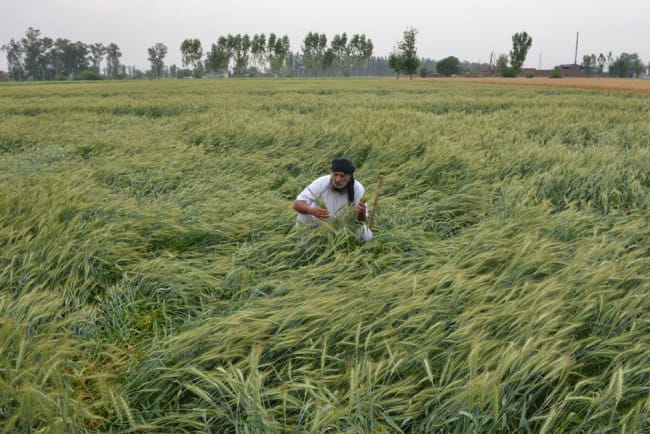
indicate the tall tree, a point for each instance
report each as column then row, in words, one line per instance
column 395, row 62
column 601, row 62
column 15, row 52
column 295, row 65
column 97, row 53
column 258, row 51
column 239, row 47
column 360, row 50
column 341, row 52
column 113, row 67
column 278, row 51
column 406, row 59
column 34, row 51
column 313, row 50
column 219, row 57
column 45, row 60
column 521, row 43
column 589, row 63
column 191, row 52
column 157, row 55
column 72, row 55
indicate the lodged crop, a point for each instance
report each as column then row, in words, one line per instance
column 152, row 278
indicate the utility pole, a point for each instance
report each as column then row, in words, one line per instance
column 575, row 59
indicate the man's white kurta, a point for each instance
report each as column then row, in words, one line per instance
column 321, row 192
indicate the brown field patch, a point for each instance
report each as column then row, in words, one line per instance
column 638, row 86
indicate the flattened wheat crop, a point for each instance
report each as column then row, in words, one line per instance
column 152, row 279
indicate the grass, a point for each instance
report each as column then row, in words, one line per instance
column 152, row 279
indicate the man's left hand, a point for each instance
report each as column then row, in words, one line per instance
column 361, row 211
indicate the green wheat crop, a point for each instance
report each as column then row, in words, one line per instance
column 152, row 278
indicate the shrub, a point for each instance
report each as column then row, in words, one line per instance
column 88, row 75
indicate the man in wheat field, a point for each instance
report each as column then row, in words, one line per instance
column 334, row 198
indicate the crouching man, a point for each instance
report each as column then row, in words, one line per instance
column 334, row 198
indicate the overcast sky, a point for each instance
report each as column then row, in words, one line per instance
column 469, row 29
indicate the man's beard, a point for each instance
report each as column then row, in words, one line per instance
column 342, row 189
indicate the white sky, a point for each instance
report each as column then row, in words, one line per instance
column 467, row 29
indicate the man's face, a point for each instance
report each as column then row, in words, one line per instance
column 339, row 180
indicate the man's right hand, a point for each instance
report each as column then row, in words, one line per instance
column 320, row 213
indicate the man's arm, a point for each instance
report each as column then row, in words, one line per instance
column 303, row 207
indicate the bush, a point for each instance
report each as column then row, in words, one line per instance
column 556, row 73
column 88, row 75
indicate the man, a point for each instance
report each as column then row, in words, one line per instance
column 331, row 198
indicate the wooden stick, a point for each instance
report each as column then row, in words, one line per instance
column 374, row 203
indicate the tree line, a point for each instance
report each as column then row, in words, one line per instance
column 35, row 57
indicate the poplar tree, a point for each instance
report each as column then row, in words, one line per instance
column 521, row 43
column 157, row 55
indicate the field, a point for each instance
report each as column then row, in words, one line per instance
column 152, row 278
column 639, row 86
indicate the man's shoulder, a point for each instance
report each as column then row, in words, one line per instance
column 322, row 181
column 317, row 186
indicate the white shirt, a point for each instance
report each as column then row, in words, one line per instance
column 321, row 192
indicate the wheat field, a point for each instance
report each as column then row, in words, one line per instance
column 152, row 278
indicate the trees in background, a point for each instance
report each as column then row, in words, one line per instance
column 626, row 66
column 521, row 43
column 277, row 50
column 359, row 51
column 248, row 56
column 192, row 52
column 157, row 55
column 344, row 57
column 448, row 66
column 404, row 59
column 258, row 51
column 511, row 66
column 97, row 53
column 15, row 59
column 113, row 67
column 239, row 47
column 218, row 57
column 35, row 57
column 314, row 47
column 503, row 68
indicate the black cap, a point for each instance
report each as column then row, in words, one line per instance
column 343, row 164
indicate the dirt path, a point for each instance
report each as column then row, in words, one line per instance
column 638, row 86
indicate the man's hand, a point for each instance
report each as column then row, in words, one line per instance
column 320, row 213
column 361, row 211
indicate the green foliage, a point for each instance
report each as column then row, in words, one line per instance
column 191, row 52
column 521, row 43
column 448, row 66
column 556, row 73
column 157, row 55
column 405, row 60
column 152, row 278
column 627, row 65
column 503, row 68
column 219, row 57
column 88, row 75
